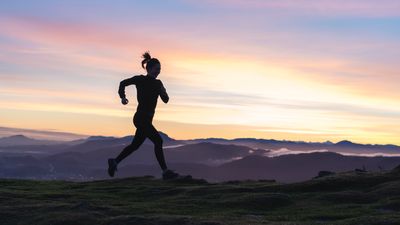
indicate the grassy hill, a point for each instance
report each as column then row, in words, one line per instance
column 346, row 198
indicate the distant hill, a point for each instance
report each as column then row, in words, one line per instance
column 17, row 143
column 210, row 153
column 21, row 144
column 40, row 134
column 344, row 146
column 214, row 159
column 345, row 198
column 299, row 167
column 233, row 165
column 18, row 140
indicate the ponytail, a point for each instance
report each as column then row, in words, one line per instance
column 148, row 61
column 146, row 58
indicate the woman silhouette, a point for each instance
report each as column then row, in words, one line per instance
column 148, row 90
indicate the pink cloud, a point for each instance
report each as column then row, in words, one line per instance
column 47, row 31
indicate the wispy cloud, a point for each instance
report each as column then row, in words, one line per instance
column 285, row 151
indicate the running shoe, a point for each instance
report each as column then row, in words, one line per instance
column 169, row 174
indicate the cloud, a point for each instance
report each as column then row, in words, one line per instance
column 285, row 151
column 375, row 154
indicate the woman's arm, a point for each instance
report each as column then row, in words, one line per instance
column 163, row 93
column 124, row 83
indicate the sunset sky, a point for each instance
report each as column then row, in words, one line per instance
column 310, row 70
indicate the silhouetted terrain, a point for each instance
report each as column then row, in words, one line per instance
column 211, row 159
column 21, row 140
column 300, row 167
column 339, row 147
column 345, row 198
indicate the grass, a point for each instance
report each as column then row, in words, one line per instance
column 346, row 198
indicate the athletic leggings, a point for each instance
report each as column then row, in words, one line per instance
column 144, row 129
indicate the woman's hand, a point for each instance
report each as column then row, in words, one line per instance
column 124, row 101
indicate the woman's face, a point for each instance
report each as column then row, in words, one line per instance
column 154, row 70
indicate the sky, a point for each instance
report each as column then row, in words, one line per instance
column 302, row 70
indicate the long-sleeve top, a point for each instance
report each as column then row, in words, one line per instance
column 148, row 90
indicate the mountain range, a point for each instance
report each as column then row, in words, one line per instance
column 214, row 159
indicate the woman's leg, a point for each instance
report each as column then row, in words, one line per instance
column 136, row 142
column 155, row 137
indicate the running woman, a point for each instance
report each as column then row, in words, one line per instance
column 148, row 89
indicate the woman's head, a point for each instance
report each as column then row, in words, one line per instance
column 153, row 66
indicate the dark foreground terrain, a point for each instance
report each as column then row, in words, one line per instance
column 345, row 198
